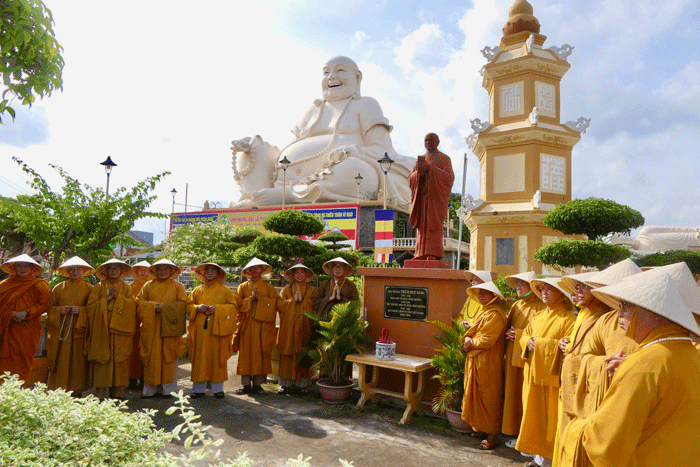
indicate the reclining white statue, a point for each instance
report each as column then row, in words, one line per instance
column 338, row 137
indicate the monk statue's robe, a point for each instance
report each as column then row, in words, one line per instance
column 649, row 416
column 541, row 378
column 295, row 330
column 482, row 405
column 430, row 197
column 68, row 368
column 322, row 301
column 111, row 325
column 135, row 363
column 159, row 354
column 256, row 333
column 210, row 337
column 17, row 342
column 520, row 315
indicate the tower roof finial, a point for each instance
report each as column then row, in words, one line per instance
column 520, row 18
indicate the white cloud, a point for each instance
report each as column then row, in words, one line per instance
column 684, row 87
column 423, row 49
column 358, row 39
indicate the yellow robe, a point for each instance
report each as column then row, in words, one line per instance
column 209, row 349
column 649, row 416
column 469, row 310
column 68, row 368
column 295, row 329
column 541, row 376
column 110, row 327
column 256, row 332
column 158, row 353
column 135, row 363
column 482, row 406
column 520, row 315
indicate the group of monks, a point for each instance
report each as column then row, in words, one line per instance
column 115, row 333
column 616, row 383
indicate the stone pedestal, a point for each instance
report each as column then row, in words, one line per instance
column 426, row 264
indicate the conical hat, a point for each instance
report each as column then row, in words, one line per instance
column 199, row 272
column 659, row 295
column 536, row 284
column 485, row 276
column 256, row 262
column 289, row 273
column 175, row 270
column 568, row 283
column 102, row 269
column 490, row 286
column 614, row 273
column 683, row 278
column 523, row 276
column 339, row 259
column 9, row 269
column 142, row 264
column 75, row 261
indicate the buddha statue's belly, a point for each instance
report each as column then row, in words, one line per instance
column 311, row 153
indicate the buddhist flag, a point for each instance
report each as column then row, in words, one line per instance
column 383, row 236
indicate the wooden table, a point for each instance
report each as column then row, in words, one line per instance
column 409, row 364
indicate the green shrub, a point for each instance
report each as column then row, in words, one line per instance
column 293, row 222
column 572, row 253
column 691, row 258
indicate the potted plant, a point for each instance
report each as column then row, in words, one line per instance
column 449, row 363
column 341, row 333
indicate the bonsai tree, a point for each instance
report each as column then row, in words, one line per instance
column 596, row 219
column 333, row 237
column 285, row 243
column 449, row 363
column 341, row 333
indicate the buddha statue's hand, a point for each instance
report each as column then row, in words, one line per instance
column 338, row 154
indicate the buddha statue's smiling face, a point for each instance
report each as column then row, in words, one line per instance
column 341, row 79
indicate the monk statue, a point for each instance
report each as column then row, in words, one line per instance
column 431, row 184
column 340, row 135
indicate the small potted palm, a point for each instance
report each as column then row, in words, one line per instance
column 341, row 333
column 449, row 363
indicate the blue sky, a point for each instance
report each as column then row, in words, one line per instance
column 164, row 85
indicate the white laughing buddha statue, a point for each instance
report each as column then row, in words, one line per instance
column 338, row 137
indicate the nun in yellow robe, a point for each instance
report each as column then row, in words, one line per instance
column 66, row 325
column 111, row 324
column 471, row 307
column 540, row 343
column 650, row 414
column 482, row 405
column 519, row 316
column 162, row 306
column 140, row 274
column 295, row 329
column 212, row 310
column 255, row 335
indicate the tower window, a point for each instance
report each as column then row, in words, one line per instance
column 505, row 252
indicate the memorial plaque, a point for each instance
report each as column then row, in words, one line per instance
column 409, row 303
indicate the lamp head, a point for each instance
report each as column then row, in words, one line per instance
column 385, row 163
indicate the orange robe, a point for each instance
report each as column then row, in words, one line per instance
column 541, row 376
column 256, row 333
column 158, row 353
column 482, row 406
column 649, row 415
column 430, row 197
column 68, row 368
column 520, row 315
column 322, row 302
column 18, row 343
column 470, row 310
column 135, row 363
column 209, row 349
column 295, row 329
column 110, row 330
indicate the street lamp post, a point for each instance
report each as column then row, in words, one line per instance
column 109, row 165
column 385, row 163
column 174, row 192
column 284, row 163
column 358, row 179
column 461, row 219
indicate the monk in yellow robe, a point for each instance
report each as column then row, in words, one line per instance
column 482, row 405
column 255, row 336
column 294, row 333
column 66, row 324
column 540, row 344
column 162, row 305
column 211, row 307
column 23, row 299
column 337, row 288
column 140, row 274
column 520, row 315
column 472, row 307
column 649, row 416
column 111, row 323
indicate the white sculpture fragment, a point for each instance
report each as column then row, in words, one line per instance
column 478, row 126
column 534, row 116
column 530, row 42
column 536, row 199
column 579, row 125
column 562, row 52
column 490, row 53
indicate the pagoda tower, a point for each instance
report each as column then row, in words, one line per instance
column 524, row 152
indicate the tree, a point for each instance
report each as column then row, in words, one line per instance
column 691, row 258
column 80, row 220
column 30, row 57
column 201, row 242
column 454, row 204
column 595, row 218
column 333, row 236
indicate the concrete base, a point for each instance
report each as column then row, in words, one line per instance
column 426, row 264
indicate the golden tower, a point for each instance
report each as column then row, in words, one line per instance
column 525, row 153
